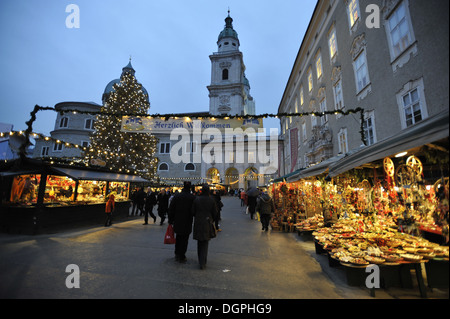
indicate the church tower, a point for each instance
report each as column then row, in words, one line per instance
column 229, row 92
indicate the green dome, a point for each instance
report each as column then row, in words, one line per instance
column 228, row 31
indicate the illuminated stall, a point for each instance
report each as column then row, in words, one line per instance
column 384, row 204
column 38, row 196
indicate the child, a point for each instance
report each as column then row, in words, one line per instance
column 109, row 209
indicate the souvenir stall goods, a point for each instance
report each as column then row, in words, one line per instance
column 416, row 206
column 38, row 197
column 61, row 191
column 294, row 202
column 365, row 241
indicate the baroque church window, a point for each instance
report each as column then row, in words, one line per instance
column 163, row 167
column 225, row 74
column 89, row 124
column 64, row 122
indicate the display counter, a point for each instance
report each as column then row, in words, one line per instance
column 43, row 197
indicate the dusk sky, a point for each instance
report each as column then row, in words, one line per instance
column 43, row 62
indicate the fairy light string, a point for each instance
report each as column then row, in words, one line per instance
column 29, row 130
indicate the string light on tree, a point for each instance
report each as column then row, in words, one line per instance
column 136, row 150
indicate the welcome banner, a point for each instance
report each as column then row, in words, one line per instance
column 134, row 124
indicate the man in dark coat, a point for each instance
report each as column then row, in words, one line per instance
column 204, row 210
column 266, row 208
column 150, row 201
column 163, row 205
column 181, row 218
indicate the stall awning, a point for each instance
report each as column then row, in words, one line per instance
column 285, row 177
column 98, row 176
column 427, row 131
column 314, row 170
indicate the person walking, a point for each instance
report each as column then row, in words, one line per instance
column 251, row 200
column 180, row 217
column 265, row 207
column 140, row 199
column 163, row 205
column 150, row 201
column 219, row 204
column 204, row 210
column 109, row 208
column 133, row 198
column 242, row 196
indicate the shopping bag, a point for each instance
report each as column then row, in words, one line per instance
column 169, row 238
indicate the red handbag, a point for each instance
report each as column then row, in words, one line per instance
column 169, row 238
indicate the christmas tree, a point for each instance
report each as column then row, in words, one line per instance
column 122, row 151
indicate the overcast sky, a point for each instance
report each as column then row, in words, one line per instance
column 43, row 62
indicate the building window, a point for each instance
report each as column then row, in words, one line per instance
column 64, row 122
column 225, row 74
column 310, row 80
column 369, row 128
column 304, row 132
column 361, row 73
column 338, row 96
column 312, row 108
column 164, row 148
column 89, row 124
column 400, row 33
column 163, row 167
column 411, row 107
column 58, row 147
column 412, row 103
column 342, row 140
column 323, row 108
column 353, row 12
column 85, row 144
column 332, row 44
column 44, row 151
column 251, row 157
column 319, row 66
column 189, row 167
column 302, row 100
column 191, row 147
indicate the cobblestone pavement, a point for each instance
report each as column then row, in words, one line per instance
column 129, row 260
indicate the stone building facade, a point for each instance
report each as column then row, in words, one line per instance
column 70, row 127
column 388, row 57
column 229, row 94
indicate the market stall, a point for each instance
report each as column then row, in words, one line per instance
column 38, row 196
column 385, row 204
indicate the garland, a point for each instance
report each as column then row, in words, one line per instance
column 167, row 116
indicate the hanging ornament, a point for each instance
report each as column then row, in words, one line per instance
column 388, row 166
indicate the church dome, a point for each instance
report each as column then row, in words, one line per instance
column 110, row 86
column 228, row 31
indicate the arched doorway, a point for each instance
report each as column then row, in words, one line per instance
column 251, row 177
column 213, row 176
column 232, row 178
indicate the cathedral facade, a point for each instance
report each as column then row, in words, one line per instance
column 232, row 165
